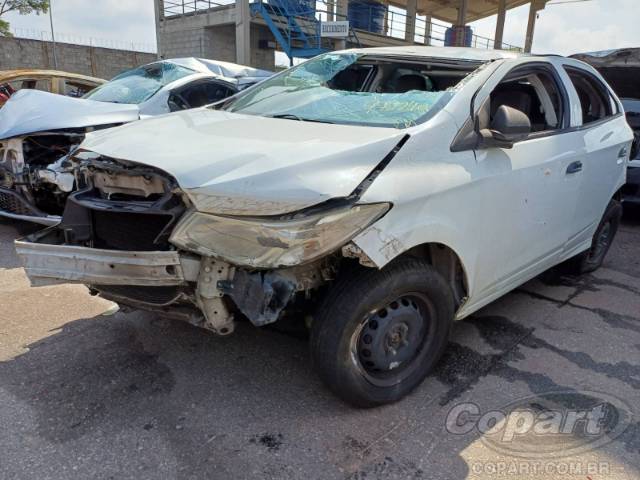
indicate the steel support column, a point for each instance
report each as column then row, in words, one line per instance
column 243, row 32
column 342, row 10
column 462, row 21
column 159, row 14
column 502, row 14
column 427, row 30
column 534, row 8
column 410, row 27
column 331, row 10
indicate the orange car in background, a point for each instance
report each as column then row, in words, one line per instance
column 63, row 83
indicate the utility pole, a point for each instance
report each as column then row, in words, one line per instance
column 53, row 37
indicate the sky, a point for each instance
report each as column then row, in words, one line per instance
column 569, row 26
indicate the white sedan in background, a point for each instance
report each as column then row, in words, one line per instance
column 177, row 84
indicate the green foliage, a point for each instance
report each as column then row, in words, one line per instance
column 23, row 7
column 4, row 29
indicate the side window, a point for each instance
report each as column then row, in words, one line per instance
column 76, row 89
column 217, row 91
column 595, row 99
column 44, row 85
column 199, row 94
column 32, row 84
column 534, row 92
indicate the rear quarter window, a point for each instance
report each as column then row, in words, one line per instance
column 596, row 101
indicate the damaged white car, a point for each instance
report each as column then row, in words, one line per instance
column 379, row 194
column 38, row 129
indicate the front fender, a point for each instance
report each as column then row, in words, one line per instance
column 404, row 227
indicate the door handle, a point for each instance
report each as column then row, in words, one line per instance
column 574, row 167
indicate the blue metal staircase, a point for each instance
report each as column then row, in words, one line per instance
column 294, row 25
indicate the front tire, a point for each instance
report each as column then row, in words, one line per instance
column 378, row 333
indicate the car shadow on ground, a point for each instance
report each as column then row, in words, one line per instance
column 249, row 405
column 232, row 404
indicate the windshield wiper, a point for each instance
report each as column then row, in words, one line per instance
column 288, row 116
column 292, row 116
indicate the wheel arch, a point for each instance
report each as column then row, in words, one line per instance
column 447, row 263
column 445, row 259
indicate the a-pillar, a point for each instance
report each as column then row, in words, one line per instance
column 534, row 8
column 410, row 26
column 243, row 32
column 502, row 15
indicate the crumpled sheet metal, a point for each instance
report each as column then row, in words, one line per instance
column 246, row 164
column 32, row 111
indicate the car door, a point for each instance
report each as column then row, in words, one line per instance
column 605, row 148
column 528, row 197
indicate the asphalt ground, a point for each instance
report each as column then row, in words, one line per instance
column 84, row 395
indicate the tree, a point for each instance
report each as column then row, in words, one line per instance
column 23, row 7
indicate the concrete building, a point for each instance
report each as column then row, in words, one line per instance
column 250, row 31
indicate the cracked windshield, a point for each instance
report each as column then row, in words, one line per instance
column 354, row 89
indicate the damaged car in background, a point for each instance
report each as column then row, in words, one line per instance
column 38, row 129
column 54, row 81
column 621, row 69
column 376, row 194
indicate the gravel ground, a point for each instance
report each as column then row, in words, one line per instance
column 84, row 395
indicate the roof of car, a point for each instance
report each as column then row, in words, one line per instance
column 10, row 75
column 462, row 53
column 228, row 69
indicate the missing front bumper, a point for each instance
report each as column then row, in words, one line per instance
column 48, row 262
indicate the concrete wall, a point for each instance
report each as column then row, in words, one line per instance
column 98, row 62
column 213, row 37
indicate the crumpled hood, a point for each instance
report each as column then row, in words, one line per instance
column 244, row 164
column 31, row 111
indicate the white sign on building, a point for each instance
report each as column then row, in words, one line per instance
column 334, row 29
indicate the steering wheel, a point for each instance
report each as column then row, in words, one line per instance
column 177, row 102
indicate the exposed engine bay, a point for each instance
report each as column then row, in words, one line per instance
column 36, row 175
column 125, row 213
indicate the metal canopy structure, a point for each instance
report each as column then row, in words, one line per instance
column 461, row 12
column 448, row 10
column 295, row 24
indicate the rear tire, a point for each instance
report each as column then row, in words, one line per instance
column 593, row 258
column 378, row 333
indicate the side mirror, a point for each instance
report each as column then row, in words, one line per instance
column 509, row 126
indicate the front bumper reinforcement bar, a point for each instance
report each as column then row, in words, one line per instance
column 51, row 263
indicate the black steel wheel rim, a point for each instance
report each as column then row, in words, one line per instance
column 391, row 342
